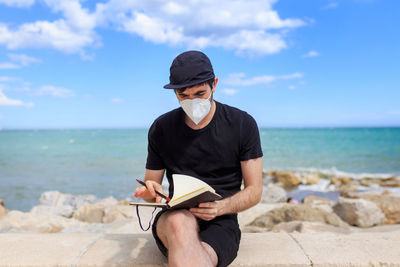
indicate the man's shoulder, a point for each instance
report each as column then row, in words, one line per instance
column 169, row 116
column 233, row 113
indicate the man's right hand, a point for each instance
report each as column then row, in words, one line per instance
column 148, row 192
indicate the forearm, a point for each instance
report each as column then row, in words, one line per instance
column 250, row 195
column 242, row 200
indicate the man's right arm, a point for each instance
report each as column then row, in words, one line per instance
column 153, row 179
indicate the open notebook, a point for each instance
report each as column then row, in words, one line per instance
column 188, row 193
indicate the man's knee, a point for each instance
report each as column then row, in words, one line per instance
column 176, row 223
column 180, row 220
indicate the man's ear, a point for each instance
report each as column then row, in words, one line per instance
column 215, row 84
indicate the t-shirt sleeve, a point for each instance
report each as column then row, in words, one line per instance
column 250, row 145
column 154, row 159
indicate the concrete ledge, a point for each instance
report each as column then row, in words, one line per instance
column 257, row 249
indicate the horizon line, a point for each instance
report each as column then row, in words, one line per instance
column 145, row 128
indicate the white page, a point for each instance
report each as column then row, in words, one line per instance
column 184, row 184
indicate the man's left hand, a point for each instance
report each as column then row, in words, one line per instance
column 206, row 211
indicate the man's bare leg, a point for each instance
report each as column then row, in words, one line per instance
column 178, row 230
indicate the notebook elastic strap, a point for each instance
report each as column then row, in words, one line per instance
column 140, row 222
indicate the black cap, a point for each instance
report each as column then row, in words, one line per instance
column 188, row 69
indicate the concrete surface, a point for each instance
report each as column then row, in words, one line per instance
column 257, row 249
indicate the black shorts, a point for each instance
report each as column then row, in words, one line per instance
column 222, row 234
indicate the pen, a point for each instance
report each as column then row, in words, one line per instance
column 158, row 193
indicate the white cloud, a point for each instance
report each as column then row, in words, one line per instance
column 6, row 79
column 229, row 91
column 240, row 79
column 55, row 91
column 247, row 27
column 8, row 65
column 117, row 100
column 251, row 42
column 5, row 101
column 23, row 60
column 18, row 61
column 174, row 8
column 292, row 87
column 242, row 26
column 331, row 5
column 152, row 29
column 18, row 3
column 75, row 15
column 311, row 53
column 70, row 34
column 43, row 34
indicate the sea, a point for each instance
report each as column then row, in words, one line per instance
column 106, row 162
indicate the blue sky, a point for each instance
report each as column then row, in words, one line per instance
column 95, row 64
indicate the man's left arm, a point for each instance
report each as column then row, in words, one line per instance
column 242, row 200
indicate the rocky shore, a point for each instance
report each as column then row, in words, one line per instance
column 363, row 204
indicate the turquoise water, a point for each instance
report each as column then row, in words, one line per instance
column 106, row 162
column 355, row 150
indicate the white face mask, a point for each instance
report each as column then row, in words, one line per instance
column 196, row 108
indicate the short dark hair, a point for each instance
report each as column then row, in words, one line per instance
column 210, row 82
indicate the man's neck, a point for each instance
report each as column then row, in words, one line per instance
column 204, row 122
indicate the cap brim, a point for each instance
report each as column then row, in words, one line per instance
column 177, row 86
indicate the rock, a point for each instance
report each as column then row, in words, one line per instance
column 344, row 184
column 288, row 179
column 384, row 182
column 104, row 211
column 123, row 202
column 359, row 212
column 369, row 182
column 60, row 204
column 337, row 181
column 269, row 173
column 310, row 179
column 90, row 213
column 249, row 215
column 57, row 199
column 65, row 210
column 30, row 222
column 273, row 195
column 390, row 182
column 387, row 201
column 308, row 227
column 319, row 202
column 111, row 215
column 118, row 212
column 299, row 212
column 3, row 210
column 314, row 200
column 10, row 229
column 110, row 201
column 348, row 187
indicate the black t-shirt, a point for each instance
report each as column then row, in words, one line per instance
column 212, row 154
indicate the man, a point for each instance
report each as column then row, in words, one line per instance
column 211, row 141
